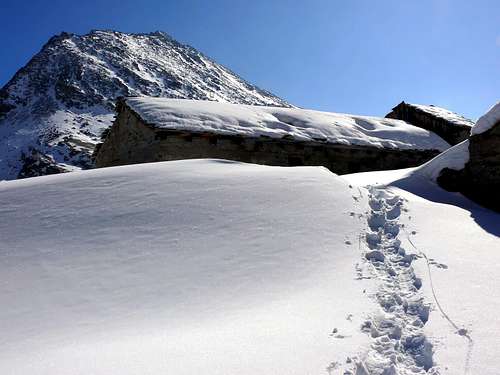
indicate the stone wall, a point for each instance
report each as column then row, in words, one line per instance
column 451, row 133
column 132, row 141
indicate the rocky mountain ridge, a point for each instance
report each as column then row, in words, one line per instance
column 55, row 109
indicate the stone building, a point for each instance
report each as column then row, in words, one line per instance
column 155, row 129
column 453, row 128
column 480, row 178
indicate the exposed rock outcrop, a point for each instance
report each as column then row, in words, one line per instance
column 37, row 164
column 450, row 126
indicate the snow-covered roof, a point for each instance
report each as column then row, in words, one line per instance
column 275, row 122
column 445, row 114
column 488, row 120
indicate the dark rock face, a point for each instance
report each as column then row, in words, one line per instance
column 64, row 98
column 131, row 140
column 451, row 127
column 480, row 178
column 36, row 164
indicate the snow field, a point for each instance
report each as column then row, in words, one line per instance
column 198, row 266
column 454, row 247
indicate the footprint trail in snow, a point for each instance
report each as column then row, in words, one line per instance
column 399, row 345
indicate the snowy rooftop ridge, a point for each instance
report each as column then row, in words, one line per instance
column 488, row 120
column 444, row 113
column 276, row 122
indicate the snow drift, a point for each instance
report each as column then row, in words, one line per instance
column 222, row 267
column 488, row 120
column 180, row 267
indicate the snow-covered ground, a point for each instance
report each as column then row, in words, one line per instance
column 185, row 267
column 218, row 267
column 456, row 247
column 276, row 122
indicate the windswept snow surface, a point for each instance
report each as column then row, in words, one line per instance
column 188, row 267
column 488, row 120
column 275, row 122
column 445, row 114
column 218, row 267
column 454, row 252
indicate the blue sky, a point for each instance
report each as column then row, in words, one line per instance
column 352, row 56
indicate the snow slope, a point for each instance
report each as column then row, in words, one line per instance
column 300, row 124
column 456, row 247
column 59, row 104
column 454, row 158
column 218, row 267
column 199, row 266
column 488, row 120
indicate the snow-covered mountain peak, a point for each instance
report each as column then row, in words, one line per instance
column 53, row 111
